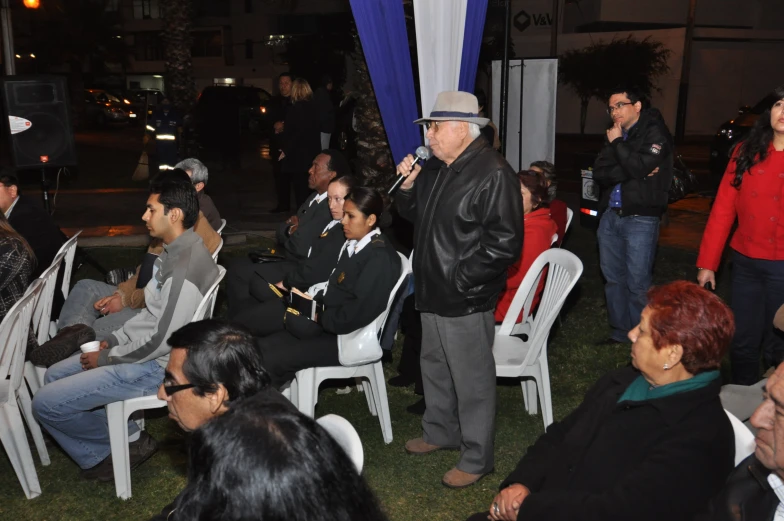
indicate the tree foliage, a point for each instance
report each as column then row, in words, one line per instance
column 591, row 72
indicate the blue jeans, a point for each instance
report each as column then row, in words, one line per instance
column 627, row 249
column 70, row 405
column 78, row 309
column 757, row 293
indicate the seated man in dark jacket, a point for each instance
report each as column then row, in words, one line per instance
column 199, row 174
column 749, row 494
column 295, row 236
column 32, row 222
column 221, row 366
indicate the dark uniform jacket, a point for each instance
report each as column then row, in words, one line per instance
column 39, row 230
column 359, row 287
column 747, row 496
column 468, row 229
column 312, row 220
column 653, row 460
column 319, row 265
column 647, row 147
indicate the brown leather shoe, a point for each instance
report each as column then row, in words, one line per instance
column 420, row 447
column 456, row 478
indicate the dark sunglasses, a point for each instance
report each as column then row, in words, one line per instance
column 171, row 389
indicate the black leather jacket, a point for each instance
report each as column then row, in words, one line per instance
column 647, row 147
column 468, row 220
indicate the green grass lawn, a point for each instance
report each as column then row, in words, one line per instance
column 409, row 487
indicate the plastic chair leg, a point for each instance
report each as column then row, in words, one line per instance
column 14, row 440
column 32, row 378
column 378, row 385
column 530, row 388
column 547, row 399
column 25, row 403
column 368, row 390
column 307, row 392
column 118, row 439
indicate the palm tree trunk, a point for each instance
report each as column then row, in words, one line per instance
column 583, row 113
column 177, row 43
column 375, row 158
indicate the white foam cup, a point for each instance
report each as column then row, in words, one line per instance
column 91, row 347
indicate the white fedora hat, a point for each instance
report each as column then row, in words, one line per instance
column 455, row 106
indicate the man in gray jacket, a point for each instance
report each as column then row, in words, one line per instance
column 132, row 359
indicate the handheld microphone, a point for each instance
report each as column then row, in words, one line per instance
column 423, row 154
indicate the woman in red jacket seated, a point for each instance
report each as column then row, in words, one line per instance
column 752, row 190
column 538, row 233
column 557, row 207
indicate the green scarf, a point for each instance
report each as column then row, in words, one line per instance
column 640, row 389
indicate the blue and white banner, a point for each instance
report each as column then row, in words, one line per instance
column 449, row 35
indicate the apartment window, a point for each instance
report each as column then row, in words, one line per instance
column 249, row 49
column 207, row 44
column 147, row 46
column 146, row 9
column 210, row 8
column 248, row 6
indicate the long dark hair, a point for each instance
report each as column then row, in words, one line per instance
column 754, row 149
column 368, row 201
column 267, row 461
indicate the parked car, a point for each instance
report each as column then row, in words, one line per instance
column 730, row 133
column 103, row 108
column 251, row 103
column 139, row 99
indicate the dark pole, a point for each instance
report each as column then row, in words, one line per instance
column 505, row 75
column 554, row 30
column 683, row 89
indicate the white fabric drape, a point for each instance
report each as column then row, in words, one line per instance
column 440, row 25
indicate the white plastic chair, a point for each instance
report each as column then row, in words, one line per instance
column 69, row 251
column 347, row 437
column 217, row 251
column 117, row 413
column 569, row 215
column 554, row 240
column 221, row 227
column 527, row 359
column 42, row 313
column 14, row 396
column 360, row 354
column 744, row 439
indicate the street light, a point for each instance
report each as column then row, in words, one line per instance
column 32, row 4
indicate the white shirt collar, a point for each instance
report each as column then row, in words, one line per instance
column 778, row 487
column 354, row 246
column 11, row 208
column 317, row 199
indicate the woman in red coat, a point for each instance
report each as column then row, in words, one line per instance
column 752, row 191
column 538, row 233
column 557, row 207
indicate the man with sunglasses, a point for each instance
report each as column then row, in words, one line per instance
column 212, row 366
column 634, row 170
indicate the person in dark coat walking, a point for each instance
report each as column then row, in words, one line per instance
column 301, row 140
column 650, row 442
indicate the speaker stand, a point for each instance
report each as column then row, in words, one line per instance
column 45, row 191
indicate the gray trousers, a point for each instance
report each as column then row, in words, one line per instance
column 458, row 373
column 78, row 309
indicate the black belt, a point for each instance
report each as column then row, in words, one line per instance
column 621, row 213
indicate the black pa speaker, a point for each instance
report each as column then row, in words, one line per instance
column 37, row 118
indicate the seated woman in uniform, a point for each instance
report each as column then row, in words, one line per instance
column 355, row 294
column 314, row 269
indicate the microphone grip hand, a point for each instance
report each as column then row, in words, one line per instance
column 405, row 169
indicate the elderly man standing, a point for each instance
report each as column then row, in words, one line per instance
column 468, row 219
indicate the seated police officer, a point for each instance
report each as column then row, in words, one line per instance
column 355, row 294
column 295, row 236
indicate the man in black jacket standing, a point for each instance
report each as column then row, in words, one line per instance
column 634, row 170
column 468, row 219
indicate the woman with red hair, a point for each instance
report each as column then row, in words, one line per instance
column 650, row 441
column 538, row 231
